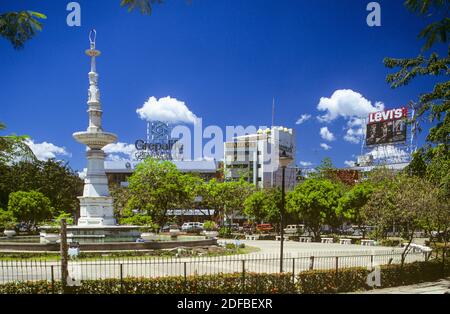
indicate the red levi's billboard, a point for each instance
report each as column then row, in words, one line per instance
column 387, row 126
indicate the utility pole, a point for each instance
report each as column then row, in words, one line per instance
column 64, row 256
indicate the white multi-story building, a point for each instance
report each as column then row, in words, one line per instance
column 255, row 158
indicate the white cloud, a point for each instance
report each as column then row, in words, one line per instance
column 354, row 135
column 45, row 150
column 83, row 174
column 303, row 118
column 349, row 105
column 349, row 163
column 166, row 109
column 120, row 151
column 305, row 163
column 325, row 146
column 346, row 103
column 326, row 134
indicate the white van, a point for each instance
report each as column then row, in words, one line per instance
column 192, row 226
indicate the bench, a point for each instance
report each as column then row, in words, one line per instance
column 304, row 239
column 251, row 237
column 368, row 242
column 345, row 241
column 326, row 240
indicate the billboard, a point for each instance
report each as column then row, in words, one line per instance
column 386, row 127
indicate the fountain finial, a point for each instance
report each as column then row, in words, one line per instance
column 93, row 52
column 92, row 38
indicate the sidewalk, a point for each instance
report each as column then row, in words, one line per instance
column 438, row 287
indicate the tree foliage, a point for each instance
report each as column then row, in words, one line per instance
column 403, row 202
column 315, row 202
column 228, row 197
column 264, row 205
column 55, row 179
column 14, row 148
column 30, row 208
column 438, row 30
column 156, row 187
column 351, row 204
column 144, row 6
column 18, row 27
column 435, row 103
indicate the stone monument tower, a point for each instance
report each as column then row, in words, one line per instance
column 96, row 205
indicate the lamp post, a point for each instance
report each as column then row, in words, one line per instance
column 284, row 160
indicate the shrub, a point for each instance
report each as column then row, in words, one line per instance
column 225, row 232
column 353, row 279
column 390, row 242
column 206, row 284
column 137, row 220
column 209, row 225
column 319, row 281
column 7, row 220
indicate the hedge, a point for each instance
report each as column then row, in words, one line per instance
column 250, row 283
column 308, row 282
column 355, row 279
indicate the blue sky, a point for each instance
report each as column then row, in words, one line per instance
column 225, row 59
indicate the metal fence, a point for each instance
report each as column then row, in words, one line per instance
column 148, row 267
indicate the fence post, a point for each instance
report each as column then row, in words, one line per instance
column 243, row 275
column 371, row 261
column 64, row 256
column 121, row 278
column 52, row 271
column 337, row 274
column 311, row 263
column 293, row 270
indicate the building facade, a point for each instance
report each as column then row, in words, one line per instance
column 254, row 157
column 119, row 171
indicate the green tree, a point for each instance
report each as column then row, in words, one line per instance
column 30, row 207
column 352, row 202
column 13, row 148
column 55, row 179
column 264, row 205
column 6, row 219
column 315, row 202
column 436, row 102
column 228, row 197
column 402, row 202
column 121, row 195
column 156, row 187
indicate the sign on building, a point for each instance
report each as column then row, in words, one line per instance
column 386, row 127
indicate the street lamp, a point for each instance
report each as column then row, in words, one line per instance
column 284, row 161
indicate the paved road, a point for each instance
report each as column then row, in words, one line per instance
column 297, row 258
column 438, row 287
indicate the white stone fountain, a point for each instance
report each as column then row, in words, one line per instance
column 96, row 205
column 96, row 220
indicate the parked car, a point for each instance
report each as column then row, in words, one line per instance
column 248, row 228
column 264, row 228
column 233, row 226
column 167, row 227
column 192, row 227
column 294, row 229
